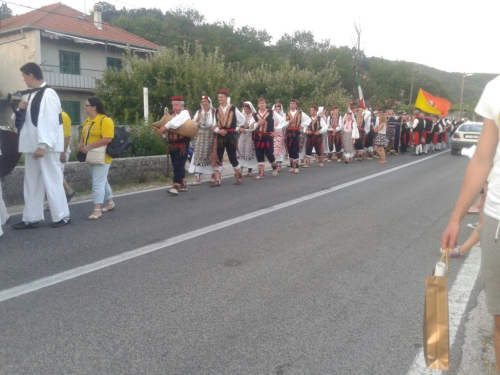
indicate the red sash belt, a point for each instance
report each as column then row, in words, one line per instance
column 262, row 134
column 293, row 129
column 229, row 130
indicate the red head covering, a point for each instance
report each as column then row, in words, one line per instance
column 352, row 104
column 224, row 92
column 315, row 107
column 177, row 98
column 277, row 105
column 204, row 97
column 246, row 105
column 262, row 99
column 334, row 107
column 295, row 100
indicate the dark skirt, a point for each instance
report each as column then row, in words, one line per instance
column 381, row 140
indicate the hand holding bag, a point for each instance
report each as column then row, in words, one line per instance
column 436, row 321
column 95, row 156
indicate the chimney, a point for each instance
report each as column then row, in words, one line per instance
column 98, row 16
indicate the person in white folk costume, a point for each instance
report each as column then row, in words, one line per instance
column 41, row 139
column 315, row 131
column 323, row 112
column 349, row 136
column 335, row 124
column 229, row 119
column 279, row 139
column 178, row 145
column 267, row 123
column 201, row 161
column 371, row 121
column 246, row 147
column 296, row 121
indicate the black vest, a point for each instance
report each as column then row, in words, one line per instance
column 420, row 126
column 269, row 127
column 316, row 124
column 428, row 124
column 229, row 120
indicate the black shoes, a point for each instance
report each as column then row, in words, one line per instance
column 61, row 223
column 25, row 225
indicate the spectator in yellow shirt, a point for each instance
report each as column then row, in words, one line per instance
column 70, row 193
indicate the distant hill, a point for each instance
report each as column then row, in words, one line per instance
column 385, row 83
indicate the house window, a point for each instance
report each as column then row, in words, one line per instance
column 69, row 62
column 114, row 63
column 73, row 111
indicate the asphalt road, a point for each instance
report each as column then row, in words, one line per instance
column 328, row 285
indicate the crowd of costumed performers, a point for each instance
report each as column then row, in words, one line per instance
column 289, row 137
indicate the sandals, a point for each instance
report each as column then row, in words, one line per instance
column 109, row 207
column 95, row 217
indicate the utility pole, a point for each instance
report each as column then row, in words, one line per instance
column 411, row 89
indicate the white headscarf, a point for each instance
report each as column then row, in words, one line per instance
column 209, row 100
column 251, row 107
column 281, row 111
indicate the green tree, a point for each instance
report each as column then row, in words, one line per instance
column 5, row 12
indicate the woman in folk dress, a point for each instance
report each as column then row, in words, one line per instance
column 348, row 139
column 200, row 162
column 279, row 139
column 246, row 146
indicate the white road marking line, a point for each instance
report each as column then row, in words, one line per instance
column 458, row 298
column 83, row 270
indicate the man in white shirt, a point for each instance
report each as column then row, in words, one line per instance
column 178, row 145
column 41, row 139
column 296, row 121
column 267, row 123
column 486, row 161
column 229, row 119
column 315, row 132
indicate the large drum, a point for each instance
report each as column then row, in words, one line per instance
column 189, row 129
column 9, row 145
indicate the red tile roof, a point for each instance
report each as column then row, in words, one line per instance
column 66, row 20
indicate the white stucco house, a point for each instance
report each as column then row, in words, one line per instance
column 73, row 49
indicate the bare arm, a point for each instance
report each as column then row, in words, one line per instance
column 475, row 177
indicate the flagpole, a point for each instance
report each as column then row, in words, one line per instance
column 411, row 89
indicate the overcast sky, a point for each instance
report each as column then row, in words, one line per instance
column 439, row 33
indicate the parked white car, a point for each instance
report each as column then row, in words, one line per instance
column 466, row 135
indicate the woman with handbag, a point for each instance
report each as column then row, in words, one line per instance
column 381, row 140
column 98, row 131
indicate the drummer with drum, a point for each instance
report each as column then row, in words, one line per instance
column 178, row 145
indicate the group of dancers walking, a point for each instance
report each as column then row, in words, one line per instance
column 251, row 135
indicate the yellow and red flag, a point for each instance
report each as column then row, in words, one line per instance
column 432, row 104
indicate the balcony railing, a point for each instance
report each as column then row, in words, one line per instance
column 85, row 79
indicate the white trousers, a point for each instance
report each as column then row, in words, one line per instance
column 44, row 176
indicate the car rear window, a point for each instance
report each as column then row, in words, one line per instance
column 471, row 128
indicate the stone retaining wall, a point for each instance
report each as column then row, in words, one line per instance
column 126, row 170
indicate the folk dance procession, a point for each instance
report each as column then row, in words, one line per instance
column 248, row 137
column 251, row 136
